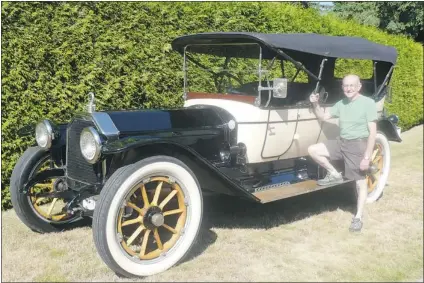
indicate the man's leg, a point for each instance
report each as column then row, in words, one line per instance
column 353, row 152
column 320, row 154
column 362, row 192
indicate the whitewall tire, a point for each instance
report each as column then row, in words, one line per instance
column 380, row 159
column 131, row 225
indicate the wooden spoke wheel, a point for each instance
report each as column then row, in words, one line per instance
column 376, row 168
column 147, row 216
column 35, row 209
column 379, row 169
column 149, row 227
column 47, row 208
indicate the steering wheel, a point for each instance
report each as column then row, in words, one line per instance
column 225, row 72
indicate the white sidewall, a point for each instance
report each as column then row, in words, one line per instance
column 191, row 190
column 376, row 193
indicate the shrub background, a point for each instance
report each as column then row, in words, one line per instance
column 54, row 53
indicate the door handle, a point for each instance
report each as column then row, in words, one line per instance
column 271, row 133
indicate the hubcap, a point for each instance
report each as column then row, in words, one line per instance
column 158, row 219
column 153, row 218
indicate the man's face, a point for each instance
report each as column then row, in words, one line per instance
column 351, row 86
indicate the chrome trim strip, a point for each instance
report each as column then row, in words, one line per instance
column 105, row 124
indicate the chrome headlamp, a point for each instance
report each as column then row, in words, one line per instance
column 90, row 144
column 44, row 134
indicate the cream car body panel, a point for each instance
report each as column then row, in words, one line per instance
column 287, row 134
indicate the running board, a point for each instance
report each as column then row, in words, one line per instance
column 286, row 191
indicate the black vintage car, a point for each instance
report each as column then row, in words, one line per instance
column 244, row 131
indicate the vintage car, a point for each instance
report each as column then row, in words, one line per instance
column 244, row 131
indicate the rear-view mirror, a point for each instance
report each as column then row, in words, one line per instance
column 279, row 88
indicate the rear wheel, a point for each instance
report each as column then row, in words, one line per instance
column 148, row 216
column 40, row 213
column 379, row 170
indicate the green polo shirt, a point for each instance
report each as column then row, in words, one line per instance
column 354, row 116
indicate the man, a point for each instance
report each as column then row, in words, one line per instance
column 357, row 121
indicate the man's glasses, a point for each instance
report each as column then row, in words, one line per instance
column 350, row 86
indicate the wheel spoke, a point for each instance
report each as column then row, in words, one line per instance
column 157, row 193
column 374, row 154
column 157, row 238
column 38, row 200
column 51, row 207
column 136, row 208
column 144, row 244
column 134, row 235
column 373, row 180
column 144, row 194
column 169, row 228
column 170, row 212
column 377, row 159
column 132, row 221
column 369, row 184
column 168, row 198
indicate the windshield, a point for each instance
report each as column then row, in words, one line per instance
column 234, row 68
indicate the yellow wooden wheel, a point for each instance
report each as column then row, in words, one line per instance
column 152, row 217
column 47, row 208
column 377, row 162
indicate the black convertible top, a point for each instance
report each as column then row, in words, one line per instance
column 321, row 45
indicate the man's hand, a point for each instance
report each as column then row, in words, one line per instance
column 365, row 164
column 314, row 98
column 319, row 112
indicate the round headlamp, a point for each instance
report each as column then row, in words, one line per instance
column 90, row 144
column 44, row 134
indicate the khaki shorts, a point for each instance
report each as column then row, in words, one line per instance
column 351, row 152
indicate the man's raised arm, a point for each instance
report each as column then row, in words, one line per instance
column 319, row 112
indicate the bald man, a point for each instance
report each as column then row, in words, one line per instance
column 357, row 121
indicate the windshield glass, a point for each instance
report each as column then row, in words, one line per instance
column 234, row 68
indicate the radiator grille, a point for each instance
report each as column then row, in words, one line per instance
column 77, row 167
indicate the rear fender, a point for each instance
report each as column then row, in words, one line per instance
column 388, row 129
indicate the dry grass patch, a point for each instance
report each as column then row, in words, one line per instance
column 304, row 238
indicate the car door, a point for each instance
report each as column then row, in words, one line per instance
column 290, row 131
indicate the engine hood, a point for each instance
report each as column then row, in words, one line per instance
column 132, row 122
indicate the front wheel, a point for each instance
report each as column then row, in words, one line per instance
column 380, row 166
column 40, row 213
column 148, row 216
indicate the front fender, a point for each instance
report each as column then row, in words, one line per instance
column 209, row 176
column 387, row 127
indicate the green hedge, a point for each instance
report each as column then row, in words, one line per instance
column 54, row 53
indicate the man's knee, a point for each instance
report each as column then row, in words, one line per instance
column 361, row 184
column 314, row 149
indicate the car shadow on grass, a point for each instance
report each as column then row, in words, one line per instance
column 232, row 212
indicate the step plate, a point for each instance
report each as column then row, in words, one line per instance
column 286, row 191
